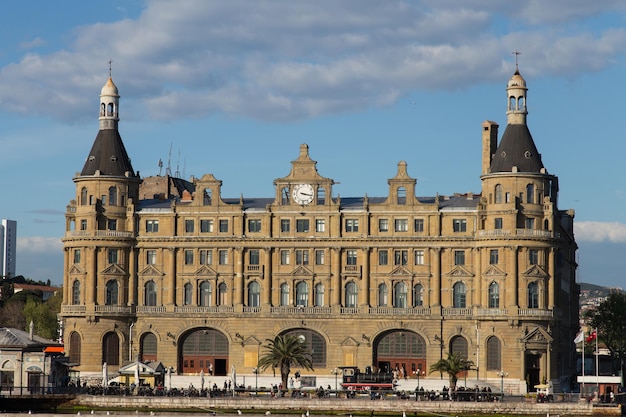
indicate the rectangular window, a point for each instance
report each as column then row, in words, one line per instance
column 152, row 226
column 285, row 225
column 530, row 223
column 223, row 254
column 112, row 224
column 352, row 225
column 206, row 226
column 498, row 223
column 319, row 257
column 459, row 257
column 302, row 257
column 400, row 257
column 76, row 256
column 401, row 225
column 206, row 257
column 383, row 225
column 83, row 224
column 493, row 257
column 189, row 226
column 112, row 256
column 254, row 225
column 419, row 225
column 383, row 257
column 419, row 257
column 223, row 226
column 188, row 257
column 351, row 257
column 151, row 257
column 320, row 225
column 302, row 225
column 254, row 257
column 459, row 225
column 284, row 257
column 533, row 257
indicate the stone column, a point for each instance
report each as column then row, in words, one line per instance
column 238, row 287
column 91, row 284
column 67, row 284
column 132, row 278
column 512, row 281
column 267, row 278
column 364, row 295
column 435, row 290
column 551, row 279
column 336, row 278
column 171, row 279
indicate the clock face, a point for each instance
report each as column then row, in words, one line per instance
column 303, row 193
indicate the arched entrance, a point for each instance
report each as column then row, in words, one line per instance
column 315, row 344
column 203, row 350
column 402, row 351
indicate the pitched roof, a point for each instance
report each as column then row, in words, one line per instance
column 18, row 339
column 108, row 156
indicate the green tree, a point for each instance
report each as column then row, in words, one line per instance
column 44, row 316
column 283, row 352
column 609, row 318
column 453, row 365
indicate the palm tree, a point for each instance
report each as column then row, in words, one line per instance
column 453, row 365
column 284, row 351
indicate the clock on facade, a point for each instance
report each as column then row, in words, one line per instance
column 303, row 193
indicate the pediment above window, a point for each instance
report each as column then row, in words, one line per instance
column 113, row 269
column 151, row 271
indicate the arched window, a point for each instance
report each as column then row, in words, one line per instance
column 459, row 345
column 83, row 196
column 284, row 193
column 187, row 294
column 512, row 103
column 112, row 293
column 148, row 347
column 520, row 103
column 321, row 196
column 205, row 294
column 418, row 295
column 351, row 295
column 530, row 193
column 222, row 293
column 112, row 196
column 111, row 349
column 150, row 295
column 75, row 347
column 382, row 295
column 319, row 295
column 314, row 343
column 458, row 295
column 533, row 295
column 254, row 294
column 284, row 294
column 208, row 194
column 76, row 293
column 494, row 295
column 399, row 295
column 498, row 193
column 494, row 354
column 302, row 294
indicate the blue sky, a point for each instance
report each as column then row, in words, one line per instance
column 234, row 87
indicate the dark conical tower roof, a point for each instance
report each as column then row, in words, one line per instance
column 516, row 149
column 108, row 155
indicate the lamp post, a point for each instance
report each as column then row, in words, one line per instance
column 256, row 381
column 336, row 372
column 418, row 373
column 502, row 374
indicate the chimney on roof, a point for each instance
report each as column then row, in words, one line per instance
column 32, row 327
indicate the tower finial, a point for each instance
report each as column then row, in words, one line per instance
column 516, row 53
column 110, row 62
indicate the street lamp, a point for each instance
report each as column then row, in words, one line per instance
column 418, row 373
column 502, row 374
column 336, row 371
column 256, row 381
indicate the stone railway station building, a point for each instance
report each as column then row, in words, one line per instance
column 167, row 269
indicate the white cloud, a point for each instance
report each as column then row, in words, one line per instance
column 600, row 232
column 38, row 244
column 278, row 60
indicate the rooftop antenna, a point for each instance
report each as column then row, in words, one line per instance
column 516, row 53
column 110, row 62
column 168, row 170
column 177, row 175
column 160, row 166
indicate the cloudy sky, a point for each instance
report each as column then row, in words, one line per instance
column 234, row 87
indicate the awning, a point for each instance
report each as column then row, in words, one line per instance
column 54, row 349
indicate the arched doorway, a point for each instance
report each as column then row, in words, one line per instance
column 315, row 344
column 400, row 350
column 203, row 349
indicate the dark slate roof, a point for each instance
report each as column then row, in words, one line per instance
column 19, row 339
column 455, row 201
column 108, row 155
column 516, row 148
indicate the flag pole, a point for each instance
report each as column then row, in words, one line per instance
column 597, row 355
